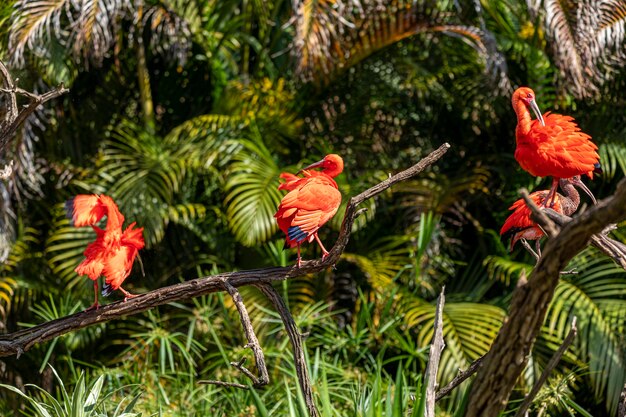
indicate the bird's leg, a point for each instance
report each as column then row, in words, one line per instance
column 529, row 249
column 538, row 247
column 551, row 197
column 95, row 304
column 299, row 261
column 127, row 295
column 319, row 242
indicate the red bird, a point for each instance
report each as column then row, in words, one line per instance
column 113, row 252
column 551, row 145
column 519, row 225
column 311, row 202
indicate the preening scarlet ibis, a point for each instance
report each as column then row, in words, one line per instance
column 519, row 225
column 312, row 201
column 551, row 145
column 113, row 252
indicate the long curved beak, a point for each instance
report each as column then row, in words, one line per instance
column 537, row 112
column 580, row 184
column 314, row 165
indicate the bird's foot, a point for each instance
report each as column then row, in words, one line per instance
column 325, row 255
column 127, row 295
column 299, row 263
column 94, row 306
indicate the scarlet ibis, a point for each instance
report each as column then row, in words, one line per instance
column 551, row 145
column 311, row 202
column 519, row 225
column 113, row 252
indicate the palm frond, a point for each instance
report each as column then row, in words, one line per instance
column 388, row 258
column 171, row 26
column 34, row 24
column 94, row 27
column 587, row 42
column 12, row 282
column 252, row 194
column 504, row 269
column 613, row 157
column 468, row 328
column 595, row 297
column 86, row 28
column 331, row 37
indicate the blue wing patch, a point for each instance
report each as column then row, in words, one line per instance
column 296, row 234
column 107, row 289
column 69, row 210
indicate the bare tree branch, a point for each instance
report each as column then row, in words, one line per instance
column 509, row 353
column 436, row 347
column 13, row 118
column 554, row 360
column 302, row 369
column 18, row 342
column 458, row 380
column 253, row 342
column 610, row 247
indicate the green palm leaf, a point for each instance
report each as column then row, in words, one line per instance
column 587, row 42
column 468, row 328
column 252, row 195
column 596, row 297
column 387, row 259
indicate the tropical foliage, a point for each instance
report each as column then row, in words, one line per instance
column 186, row 112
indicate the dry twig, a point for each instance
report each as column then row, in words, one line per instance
column 458, row 380
column 436, row 347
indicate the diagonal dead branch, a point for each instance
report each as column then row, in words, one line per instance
column 458, row 380
column 509, row 353
column 610, row 247
column 434, row 356
column 554, row 360
column 20, row 341
column 295, row 337
column 253, row 341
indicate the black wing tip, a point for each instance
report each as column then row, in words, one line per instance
column 107, row 289
column 597, row 168
column 69, row 208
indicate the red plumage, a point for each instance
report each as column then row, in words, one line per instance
column 113, row 252
column 519, row 224
column 310, row 203
column 552, row 145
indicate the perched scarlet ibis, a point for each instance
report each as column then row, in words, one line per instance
column 551, row 145
column 311, row 202
column 113, row 252
column 519, row 225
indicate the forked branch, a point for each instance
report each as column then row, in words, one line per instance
column 14, row 117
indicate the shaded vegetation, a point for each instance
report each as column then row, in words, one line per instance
column 185, row 112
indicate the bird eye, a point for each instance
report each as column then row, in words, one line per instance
column 529, row 95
